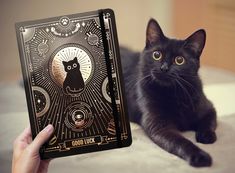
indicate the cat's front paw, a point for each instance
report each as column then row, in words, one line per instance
column 200, row 159
column 206, row 137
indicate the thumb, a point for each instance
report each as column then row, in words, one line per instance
column 41, row 138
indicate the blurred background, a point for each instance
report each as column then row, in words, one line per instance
column 178, row 18
column 131, row 18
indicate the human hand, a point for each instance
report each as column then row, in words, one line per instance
column 26, row 158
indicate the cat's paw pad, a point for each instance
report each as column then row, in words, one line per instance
column 200, row 159
column 206, row 137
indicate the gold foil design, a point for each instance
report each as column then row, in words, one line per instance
column 53, row 140
column 111, row 127
column 68, row 53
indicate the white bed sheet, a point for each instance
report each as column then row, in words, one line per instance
column 142, row 155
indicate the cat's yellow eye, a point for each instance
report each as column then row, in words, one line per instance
column 157, row 55
column 69, row 67
column 179, row 60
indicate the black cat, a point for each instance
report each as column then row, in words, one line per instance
column 165, row 96
column 73, row 83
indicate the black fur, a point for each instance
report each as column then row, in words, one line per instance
column 73, row 83
column 166, row 98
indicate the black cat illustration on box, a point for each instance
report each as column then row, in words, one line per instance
column 73, row 83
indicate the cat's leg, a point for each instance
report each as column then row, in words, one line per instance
column 170, row 140
column 205, row 128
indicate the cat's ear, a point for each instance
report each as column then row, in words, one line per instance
column 64, row 63
column 154, row 33
column 75, row 59
column 196, row 41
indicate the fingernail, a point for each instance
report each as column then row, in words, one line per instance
column 49, row 128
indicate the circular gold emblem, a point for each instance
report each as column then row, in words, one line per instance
column 67, row 53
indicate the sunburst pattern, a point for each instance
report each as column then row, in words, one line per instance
column 93, row 69
column 68, row 53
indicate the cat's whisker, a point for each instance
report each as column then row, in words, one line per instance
column 185, row 92
column 178, row 77
column 187, row 83
column 143, row 80
column 188, row 75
